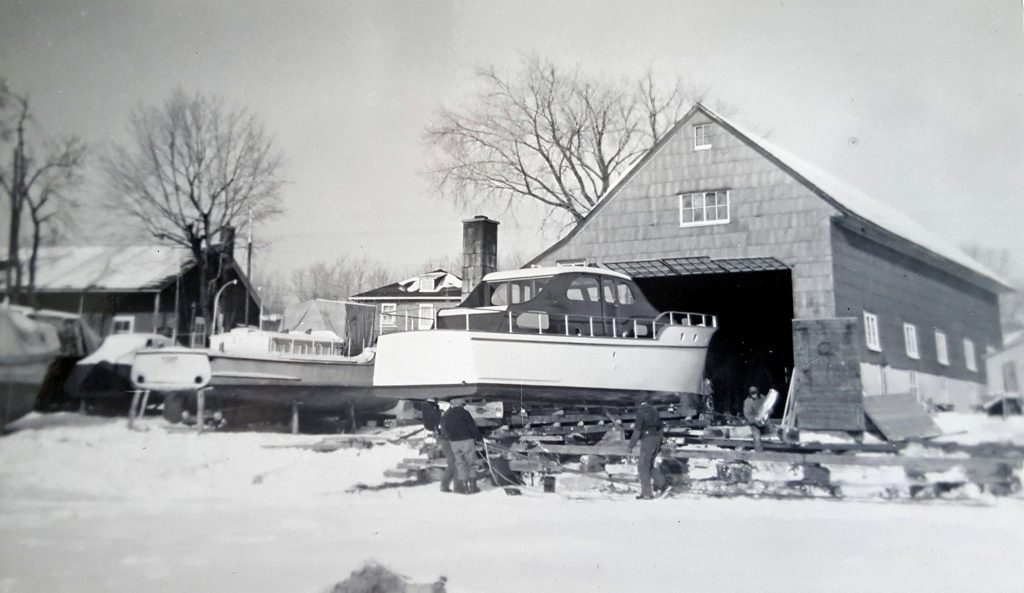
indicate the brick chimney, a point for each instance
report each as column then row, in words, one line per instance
column 227, row 240
column 479, row 250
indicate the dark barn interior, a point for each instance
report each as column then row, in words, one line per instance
column 754, row 306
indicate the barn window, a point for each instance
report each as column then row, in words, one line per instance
column 704, row 208
column 871, row 332
column 387, row 314
column 910, row 339
column 123, row 324
column 941, row 347
column 702, row 136
column 969, row 358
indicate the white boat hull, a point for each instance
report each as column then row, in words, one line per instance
column 456, row 363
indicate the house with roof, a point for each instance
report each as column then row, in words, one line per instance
column 143, row 289
column 413, row 303
column 821, row 290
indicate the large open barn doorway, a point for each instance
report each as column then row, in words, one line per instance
column 753, row 299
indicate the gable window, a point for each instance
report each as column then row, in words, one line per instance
column 123, row 324
column 941, row 347
column 871, row 336
column 969, row 358
column 426, row 316
column 704, row 208
column 702, row 136
column 387, row 314
column 910, row 339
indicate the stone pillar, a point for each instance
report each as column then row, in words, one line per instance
column 479, row 251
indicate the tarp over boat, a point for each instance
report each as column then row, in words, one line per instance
column 352, row 323
column 26, row 350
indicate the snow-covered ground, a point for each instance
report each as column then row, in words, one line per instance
column 87, row 505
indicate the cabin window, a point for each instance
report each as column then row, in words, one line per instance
column 702, row 136
column 198, row 333
column 910, row 340
column 583, row 288
column 123, row 324
column 387, row 314
column 969, row 358
column 426, row 316
column 941, row 348
column 704, row 208
column 517, row 291
column 871, row 336
column 625, row 293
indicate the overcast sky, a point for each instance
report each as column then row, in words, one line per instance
column 917, row 103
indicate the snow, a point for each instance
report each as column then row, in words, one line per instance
column 88, row 505
column 972, row 429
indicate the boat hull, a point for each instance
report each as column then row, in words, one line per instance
column 313, row 384
column 20, row 380
column 542, row 368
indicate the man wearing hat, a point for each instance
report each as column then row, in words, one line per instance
column 432, row 422
column 751, row 410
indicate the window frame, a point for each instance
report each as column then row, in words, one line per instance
column 198, row 335
column 702, row 136
column 704, row 208
column 910, row 341
column 119, row 319
column 941, row 347
column 970, row 355
column 871, row 330
column 388, row 315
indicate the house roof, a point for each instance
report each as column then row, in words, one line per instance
column 110, row 268
column 844, row 197
column 434, row 285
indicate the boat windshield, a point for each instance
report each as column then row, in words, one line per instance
column 512, row 292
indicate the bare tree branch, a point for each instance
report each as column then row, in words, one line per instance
column 548, row 135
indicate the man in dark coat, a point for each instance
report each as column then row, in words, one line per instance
column 646, row 429
column 458, row 426
column 751, row 410
column 432, row 422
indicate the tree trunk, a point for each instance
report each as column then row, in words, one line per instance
column 36, row 231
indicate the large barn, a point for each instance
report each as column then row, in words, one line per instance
column 804, row 272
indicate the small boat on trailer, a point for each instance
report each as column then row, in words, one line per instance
column 27, row 348
column 571, row 336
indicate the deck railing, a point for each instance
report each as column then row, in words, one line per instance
column 593, row 326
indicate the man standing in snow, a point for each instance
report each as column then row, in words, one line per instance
column 646, row 429
column 432, row 422
column 458, row 427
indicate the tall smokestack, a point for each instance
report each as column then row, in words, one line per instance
column 479, row 250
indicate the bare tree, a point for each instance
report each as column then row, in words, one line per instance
column 35, row 186
column 549, row 135
column 339, row 280
column 191, row 168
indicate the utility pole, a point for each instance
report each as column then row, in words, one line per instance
column 248, row 264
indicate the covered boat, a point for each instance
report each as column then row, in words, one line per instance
column 27, row 348
column 102, row 379
column 567, row 335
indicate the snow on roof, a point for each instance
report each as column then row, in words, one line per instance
column 435, row 284
column 858, row 203
column 110, row 268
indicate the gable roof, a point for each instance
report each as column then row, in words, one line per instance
column 435, row 285
column 109, row 269
column 844, row 197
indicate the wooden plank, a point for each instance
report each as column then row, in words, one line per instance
column 914, row 463
column 828, row 389
column 900, row 416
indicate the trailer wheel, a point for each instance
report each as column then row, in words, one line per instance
column 174, row 405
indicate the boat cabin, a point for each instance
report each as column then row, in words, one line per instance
column 570, row 301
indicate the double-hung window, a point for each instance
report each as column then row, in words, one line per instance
column 123, row 324
column 871, row 337
column 969, row 358
column 941, row 347
column 387, row 314
column 704, row 208
column 910, row 339
column 702, row 136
